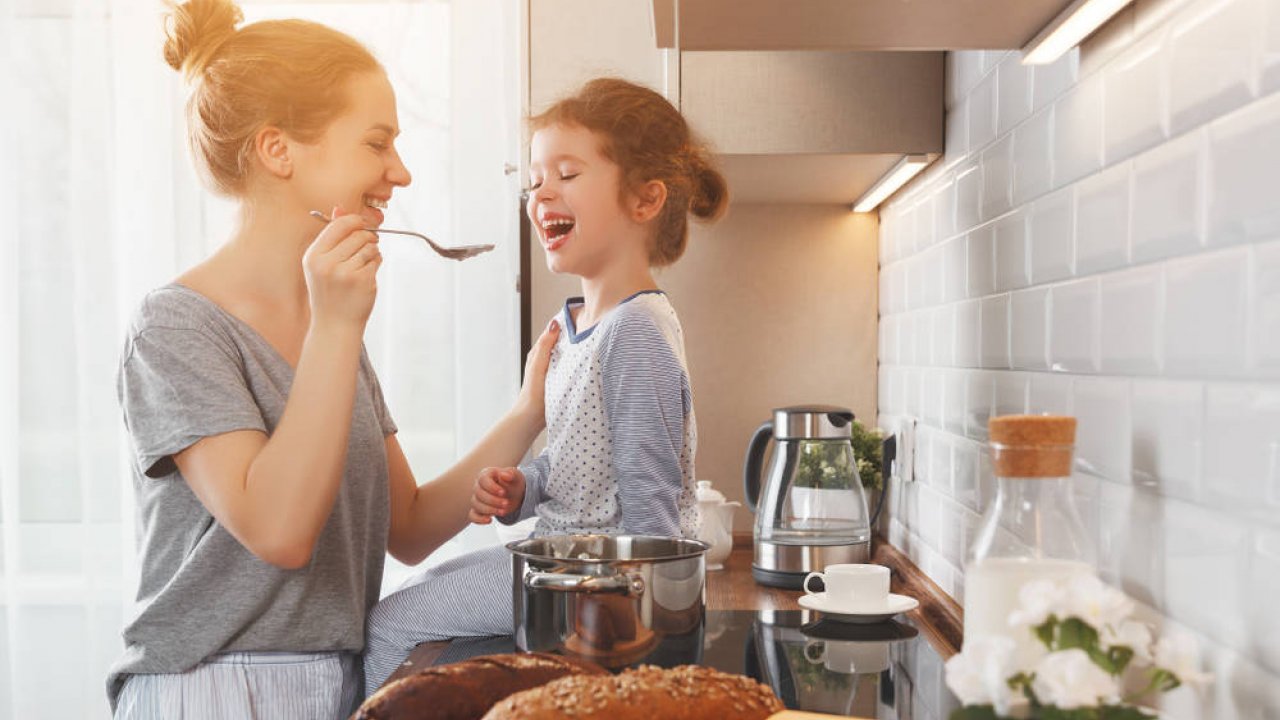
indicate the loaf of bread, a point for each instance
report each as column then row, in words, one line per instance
column 466, row 690
column 687, row 692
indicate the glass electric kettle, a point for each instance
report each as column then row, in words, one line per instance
column 810, row 507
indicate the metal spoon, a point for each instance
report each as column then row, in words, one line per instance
column 462, row 252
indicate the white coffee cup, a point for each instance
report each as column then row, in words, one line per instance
column 856, row 586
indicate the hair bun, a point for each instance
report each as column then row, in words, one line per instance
column 195, row 29
column 710, row 189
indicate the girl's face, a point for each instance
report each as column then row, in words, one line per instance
column 355, row 165
column 574, row 202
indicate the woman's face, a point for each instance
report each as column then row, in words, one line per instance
column 355, row 165
column 574, row 200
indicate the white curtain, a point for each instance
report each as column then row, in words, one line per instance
column 99, row 204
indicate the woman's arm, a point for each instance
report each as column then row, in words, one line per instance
column 274, row 494
column 424, row 517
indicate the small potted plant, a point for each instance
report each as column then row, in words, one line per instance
column 828, row 465
column 835, row 466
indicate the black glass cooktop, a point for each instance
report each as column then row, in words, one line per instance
column 887, row 670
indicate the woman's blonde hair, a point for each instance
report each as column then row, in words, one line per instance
column 288, row 74
column 648, row 138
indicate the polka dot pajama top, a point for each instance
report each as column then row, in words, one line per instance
column 621, row 433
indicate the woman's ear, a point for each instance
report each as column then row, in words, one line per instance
column 272, row 148
column 648, row 201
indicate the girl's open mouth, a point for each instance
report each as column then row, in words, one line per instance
column 556, row 231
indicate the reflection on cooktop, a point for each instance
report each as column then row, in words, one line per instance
column 887, row 671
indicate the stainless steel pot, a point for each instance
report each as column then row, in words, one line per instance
column 612, row 599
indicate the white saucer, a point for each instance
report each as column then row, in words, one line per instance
column 893, row 605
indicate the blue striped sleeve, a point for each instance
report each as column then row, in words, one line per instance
column 535, row 480
column 646, row 397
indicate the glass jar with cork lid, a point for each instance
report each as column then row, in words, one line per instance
column 1030, row 530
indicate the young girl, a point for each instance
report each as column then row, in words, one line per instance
column 269, row 481
column 615, row 174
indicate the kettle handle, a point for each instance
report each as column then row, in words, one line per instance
column 755, row 462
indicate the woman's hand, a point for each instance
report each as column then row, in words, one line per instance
column 498, row 491
column 481, row 485
column 532, row 398
column 341, row 269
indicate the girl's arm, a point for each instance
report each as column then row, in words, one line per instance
column 647, row 398
column 535, row 482
column 274, row 494
column 424, row 517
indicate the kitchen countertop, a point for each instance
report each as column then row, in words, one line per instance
column 733, row 589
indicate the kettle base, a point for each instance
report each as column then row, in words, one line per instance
column 785, row 566
column 774, row 578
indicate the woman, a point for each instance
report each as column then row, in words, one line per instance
column 268, row 477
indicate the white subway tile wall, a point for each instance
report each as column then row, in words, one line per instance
column 1013, row 93
column 1137, row 81
column 1011, row 251
column 1051, row 230
column 1027, row 326
column 1167, row 213
column 1129, row 329
column 1103, row 240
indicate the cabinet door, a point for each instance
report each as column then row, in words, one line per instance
column 571, row 41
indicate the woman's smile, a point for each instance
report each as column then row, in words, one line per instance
column 372, row 209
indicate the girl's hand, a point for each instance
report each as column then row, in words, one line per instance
column 498, row 491
column 532, row 397
column 341, row 269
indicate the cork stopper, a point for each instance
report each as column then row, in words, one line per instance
column 1032, row 445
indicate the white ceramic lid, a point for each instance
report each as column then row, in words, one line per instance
column 708, row 494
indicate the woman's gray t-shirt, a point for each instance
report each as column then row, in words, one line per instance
column 191, row 370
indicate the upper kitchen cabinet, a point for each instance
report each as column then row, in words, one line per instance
column 789, row 127
column 850, row 24
column 813, row 126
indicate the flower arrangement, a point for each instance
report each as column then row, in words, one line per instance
column 1089, row 659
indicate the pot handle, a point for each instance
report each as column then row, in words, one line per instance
column 629, row 585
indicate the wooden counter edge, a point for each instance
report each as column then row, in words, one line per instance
column 939, row 616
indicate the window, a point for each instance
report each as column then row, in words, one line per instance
column 103, row 205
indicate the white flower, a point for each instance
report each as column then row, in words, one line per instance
column 1179, row 653
column 1132, row 634
column 1095, row 602
column 978, row 675
column 1068, row 679
column 1037, row 600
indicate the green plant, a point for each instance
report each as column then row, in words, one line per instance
column 828, row 464
column 866, row 448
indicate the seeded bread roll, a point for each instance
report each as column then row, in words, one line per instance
column 687, row 692
column 466, row 690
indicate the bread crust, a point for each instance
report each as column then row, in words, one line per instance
column 688, row 692
column 467, row 690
